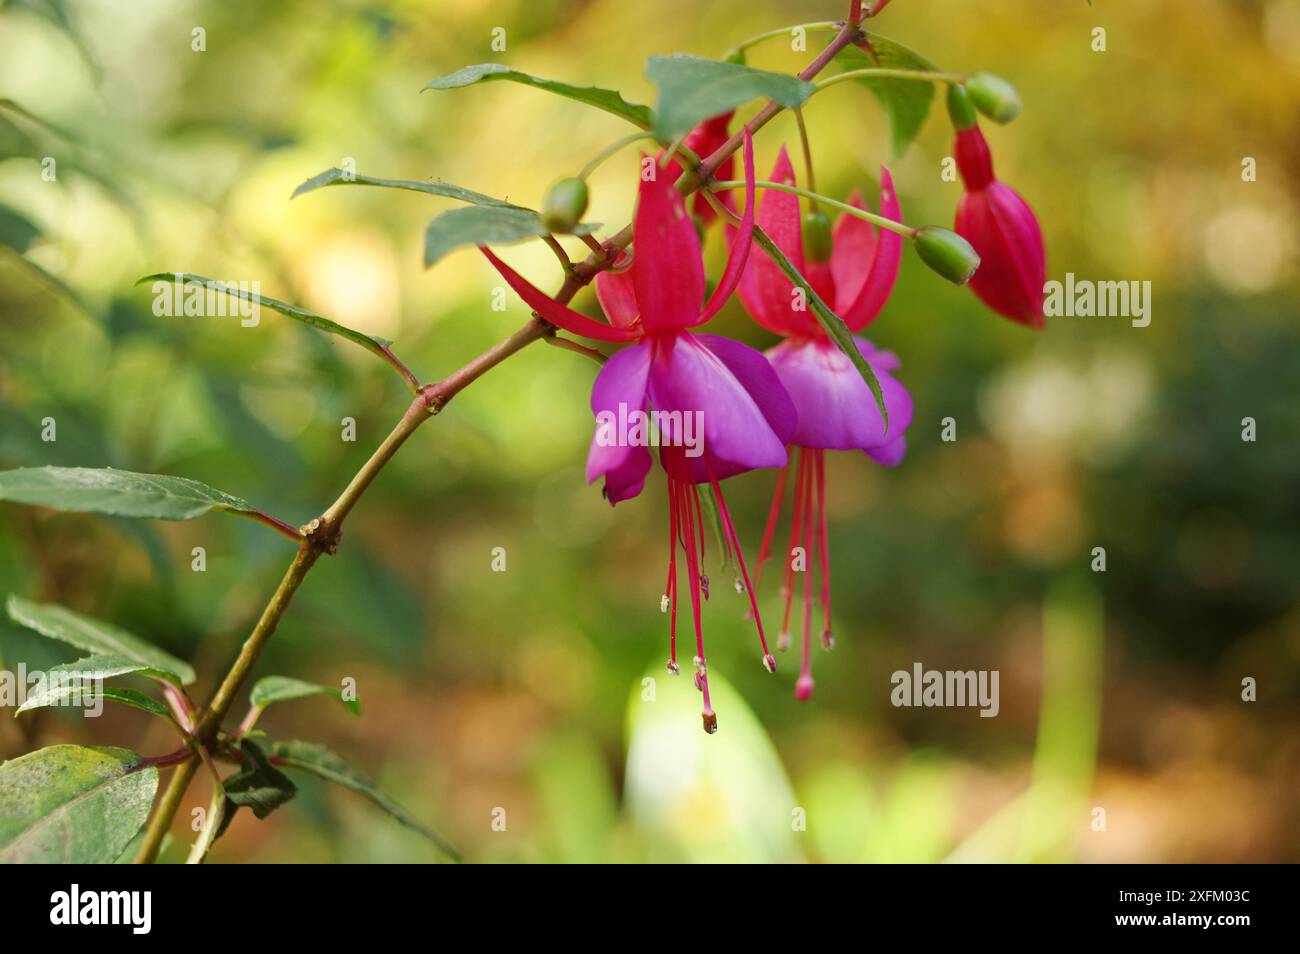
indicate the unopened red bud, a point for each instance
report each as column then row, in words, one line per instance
column 564, row 205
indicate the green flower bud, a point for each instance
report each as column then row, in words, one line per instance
column 994, row 97
column 816, row 236
column 947, row 253
column 564, row 205
column 960, row 108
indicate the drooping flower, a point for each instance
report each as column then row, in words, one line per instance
column 716, row 405
column 836, row 408
column 999, row 224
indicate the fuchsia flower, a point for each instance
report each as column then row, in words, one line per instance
column 999, row 224
column 836, row 409
column 746, row 416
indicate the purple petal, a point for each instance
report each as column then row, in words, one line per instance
column 622, row 381
column 891, row 454
column 837, row 411
column 687, row 377
column 755, row 374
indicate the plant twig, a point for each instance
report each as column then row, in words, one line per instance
column 322, row 534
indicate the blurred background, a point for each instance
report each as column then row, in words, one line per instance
column 523, row 690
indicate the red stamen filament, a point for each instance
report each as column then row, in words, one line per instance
column 823, row 548
column 733, row 541
column 803, row 687
column 773, row 514
column 796, row 532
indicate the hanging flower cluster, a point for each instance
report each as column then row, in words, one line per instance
column 806, row 395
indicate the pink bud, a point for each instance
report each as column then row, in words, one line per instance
column 1004, row 231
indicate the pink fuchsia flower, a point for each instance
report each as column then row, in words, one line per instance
column 744, row 416
column 856, row 281
column 999, row 224
column 835, row 407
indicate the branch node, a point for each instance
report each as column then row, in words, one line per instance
column 321, row 536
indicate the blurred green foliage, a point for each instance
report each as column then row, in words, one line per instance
column 523, row 690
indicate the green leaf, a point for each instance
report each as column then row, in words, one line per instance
column 906, row 102
column 737, row 772
column 78, row 694
column 271, row 689
column 607, row 99
column 483, row 225
column 73, row 804
column 110, row 665
column 214, row 825
column 320, row 761
column 336, row 176
column 833, row 323
column 693, row 89
column 377, row 346
column 259, row 785
column 120, row 493
column 92, row 635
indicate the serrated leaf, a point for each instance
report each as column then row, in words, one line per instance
column 833, row 323
column 693, row 89
column 377, row 346
column 259, row 785
column 110, row 665
column 83, row 695
column 271, row 689
column 906, row 102
column 73, row 804
column 336, row 176
column 483, row 225
column 120, row 493
column 321, row 762
column 93, row 635
column 607, row 99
